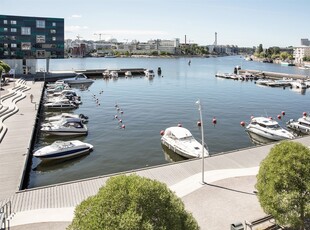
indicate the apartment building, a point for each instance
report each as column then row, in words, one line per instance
column 25, row 39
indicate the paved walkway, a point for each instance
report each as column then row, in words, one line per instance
column 14, row 148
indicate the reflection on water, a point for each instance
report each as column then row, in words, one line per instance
column 259, row 140
column 60, row 164
column 171, row 156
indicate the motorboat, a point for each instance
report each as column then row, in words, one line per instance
column 114, row 74
column 65, row 127
column 62, row 150
column 57, row 88
column 61, row 104
column 62, row 116
column 149, row 73
column 263, row 81
column 128, row 74
column 301, row 125
column 80, row 78
column 299, row 84
column 268, row 128
column 181, row 141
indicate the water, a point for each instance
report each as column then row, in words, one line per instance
column 150, row 106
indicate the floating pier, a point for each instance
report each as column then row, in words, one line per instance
column 273, row 75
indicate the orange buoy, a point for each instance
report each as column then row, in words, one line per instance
column 162, row 132
column 242, row 123
column 279, row 117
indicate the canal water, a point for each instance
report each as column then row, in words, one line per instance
column 150, row 106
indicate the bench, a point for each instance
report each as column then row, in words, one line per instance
column 257, row 221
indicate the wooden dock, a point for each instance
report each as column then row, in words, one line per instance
column 273, row 75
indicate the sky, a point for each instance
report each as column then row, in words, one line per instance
column 245, row 23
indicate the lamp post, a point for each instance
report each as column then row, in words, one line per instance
column 202, row 143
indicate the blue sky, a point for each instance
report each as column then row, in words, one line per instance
column 237, row 22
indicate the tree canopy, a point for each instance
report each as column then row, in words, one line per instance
column 283, row 184
column 4, row 67
column 133, row 202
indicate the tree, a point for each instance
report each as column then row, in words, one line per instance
column 284, row 55
column 283, row 184
column 133, row 203
column 4, row 68
column 260, row 49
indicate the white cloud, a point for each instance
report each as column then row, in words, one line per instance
column 72, row 29
column 133, row 32
column 75, row 16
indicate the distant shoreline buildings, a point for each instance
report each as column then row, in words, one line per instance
column 25, row 39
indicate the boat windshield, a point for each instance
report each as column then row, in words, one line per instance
column 187, row 138
column 275, row 126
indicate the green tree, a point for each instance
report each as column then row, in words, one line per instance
column 283, row 184
column 133, row 203
column 4, row 68
column 260, row 48
column 284, row 55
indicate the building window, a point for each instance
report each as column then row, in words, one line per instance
column 5, row 45
column 5, row 21
column 13, row 38
column 54, row 24
column 53, row 38
column 14, row 30
column 13, row 22
column 53, row 31
column 26, row 31
column 6, row 53
column 5, row 29
column 40, row 53
column 26, row 46
column 13, row 45
column 40, row 39
column 40, row 24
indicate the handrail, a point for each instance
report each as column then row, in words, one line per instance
column 5, row 212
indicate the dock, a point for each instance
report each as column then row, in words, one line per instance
column 273, row 75
column 91, row 73
column 227, row 195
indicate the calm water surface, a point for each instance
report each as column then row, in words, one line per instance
column 150, row 106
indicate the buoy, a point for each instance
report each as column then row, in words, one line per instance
column 162, row 132
column 279, row 117
column 122, row 111
column 214, row 121
column 120, row 121
column 123, row 126
column 270, row 118
column 115, row 116
column 179, row 125
column 283, row 113
column 242, row 123
column 199, row 123
column 304, row 113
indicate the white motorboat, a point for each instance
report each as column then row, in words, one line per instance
column 299, row 84
column 149, row 73
column 263, row 81
column 80, row 78
column 56, row 83
column 301, row 125
column 114, row 74
column 65, row 127
column 67, row 115
column 61, row 104
column 57, row 88
column 63, row 149
column 268, row 128
column 181, row 141
column 128, row 74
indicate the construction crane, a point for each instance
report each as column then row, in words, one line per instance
column 100, row 34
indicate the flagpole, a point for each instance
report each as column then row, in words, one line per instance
column 202, row 143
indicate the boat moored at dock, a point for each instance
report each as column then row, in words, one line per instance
column 301, row 125
column 181, row 141
column 63, row 149
column 268, row 128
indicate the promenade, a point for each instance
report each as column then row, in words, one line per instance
column 227, row 196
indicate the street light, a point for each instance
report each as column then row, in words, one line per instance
column 202, row 143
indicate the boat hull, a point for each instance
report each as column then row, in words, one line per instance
column 267, row 135
column 66, row 154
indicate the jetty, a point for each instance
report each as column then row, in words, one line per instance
column 226, row 196
column 273, row 75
